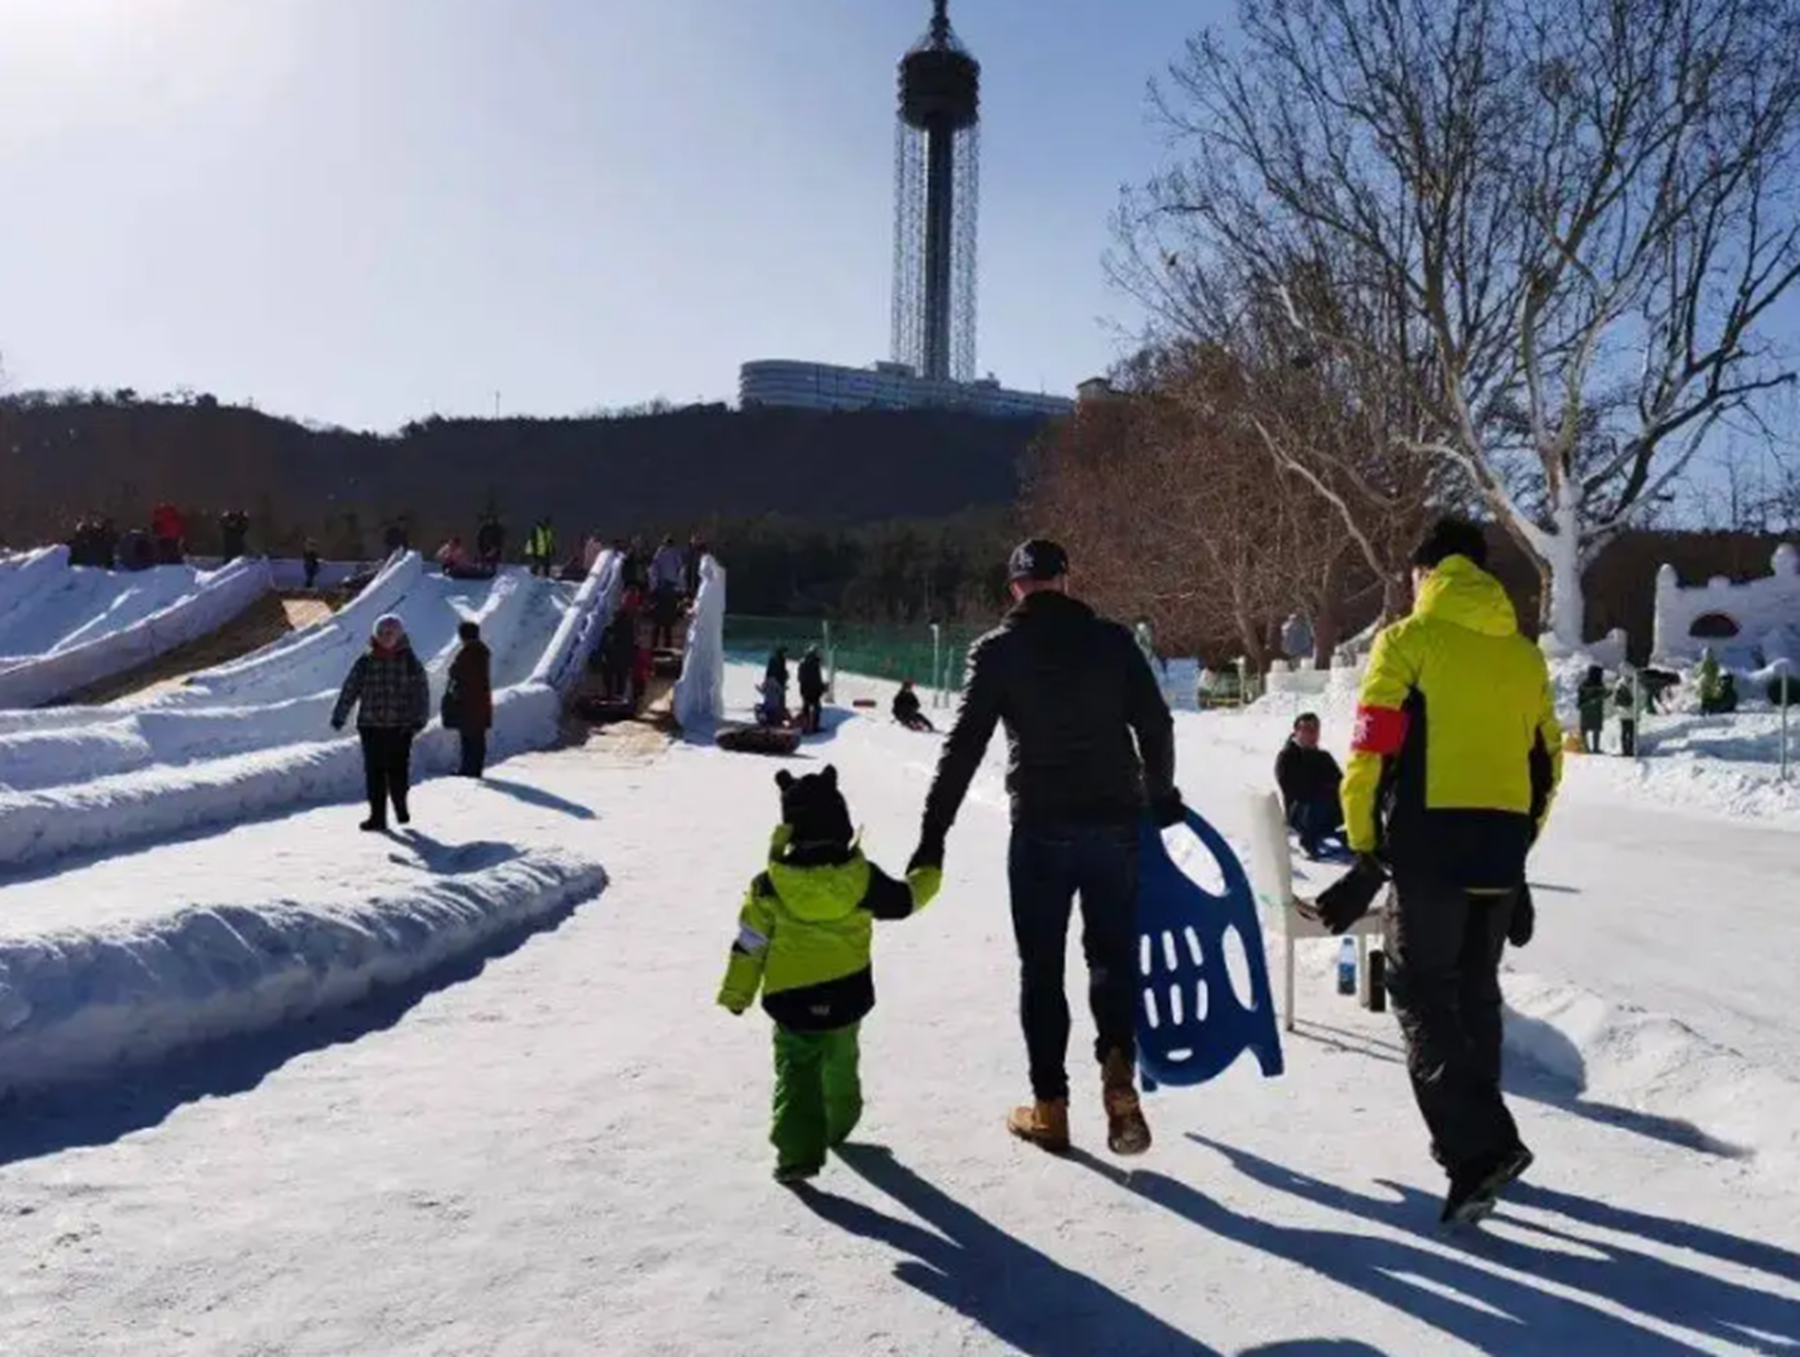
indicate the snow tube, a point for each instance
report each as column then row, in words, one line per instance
column 758, row 740
column 1191, row 1023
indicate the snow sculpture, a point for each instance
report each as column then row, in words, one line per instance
column 699, row 699
column 1728, row 617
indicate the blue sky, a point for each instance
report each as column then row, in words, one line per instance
column 362, row 211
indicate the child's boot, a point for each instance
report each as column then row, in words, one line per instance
column 1044, row 1123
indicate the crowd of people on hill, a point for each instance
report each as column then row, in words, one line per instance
column 97, row 542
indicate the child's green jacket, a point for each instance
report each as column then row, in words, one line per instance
column 804, row 936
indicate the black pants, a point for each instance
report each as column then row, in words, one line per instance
column 1628, row 739
column 387, row 768
column 1443, row 949
column 812, row 712
column 474, row 752
column 1316, row 820
column 1590, row 739
column 664, row 609
column 1046, row 868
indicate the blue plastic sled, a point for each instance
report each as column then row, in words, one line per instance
column 1191, row 1024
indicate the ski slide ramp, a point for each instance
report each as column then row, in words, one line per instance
column 253, row 736
column 64, row 628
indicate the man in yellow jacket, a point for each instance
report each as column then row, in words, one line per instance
column 1456, row 756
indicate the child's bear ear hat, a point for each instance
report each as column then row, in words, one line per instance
column 814, row 808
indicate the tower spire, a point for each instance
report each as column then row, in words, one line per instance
column 940, row 22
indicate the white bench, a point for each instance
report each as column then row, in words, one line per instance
column 1272, row 878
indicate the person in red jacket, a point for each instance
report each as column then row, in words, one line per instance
column 169, row 529
column 469, row 698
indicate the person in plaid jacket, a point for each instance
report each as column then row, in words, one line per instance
column 392, row 697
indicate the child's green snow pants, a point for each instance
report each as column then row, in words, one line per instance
column 818, row 1093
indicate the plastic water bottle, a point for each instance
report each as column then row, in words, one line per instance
column 1347, row 966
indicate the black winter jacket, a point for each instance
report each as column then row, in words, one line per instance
column 1072, row 689
column 1306, row 774
column 811, row 676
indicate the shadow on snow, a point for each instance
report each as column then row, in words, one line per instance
column 113, row 1104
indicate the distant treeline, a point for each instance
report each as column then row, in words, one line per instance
column 70, row 454
column 904, row 571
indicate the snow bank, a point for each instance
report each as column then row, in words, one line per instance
column 699, row 699
column 1654, row 1064
column 82, row 1001
column 213, row 601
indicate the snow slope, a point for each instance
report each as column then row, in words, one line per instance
column 253, row 736
column 134, row 618
column 567, row 1154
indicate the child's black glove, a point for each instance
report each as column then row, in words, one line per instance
column 1524, row 918
column 1351, row 896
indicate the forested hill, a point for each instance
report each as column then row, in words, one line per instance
column 651, row 472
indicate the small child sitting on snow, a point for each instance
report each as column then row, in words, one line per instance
column 804, row 939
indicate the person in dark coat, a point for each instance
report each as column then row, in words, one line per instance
column 777, row 668
column 1309, row 779
column 309, row 561
column 234, row 534
column 392, row 697
column 1091, row 752
column 469, row 698
column 490, row 541
column 908, row 710
column 812, row 691
column 1590, row 703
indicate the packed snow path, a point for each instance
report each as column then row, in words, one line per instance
column 567, row 1154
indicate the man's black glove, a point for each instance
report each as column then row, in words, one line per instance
column 1524, row 918
column 929, row 853
column 1352, row 895
column 1167, row 811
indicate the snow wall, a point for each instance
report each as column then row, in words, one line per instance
column 79, row 1002
column 1765, row 612
column 699, row 699
column 217, row 599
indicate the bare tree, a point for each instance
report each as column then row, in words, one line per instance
column 1583, row 211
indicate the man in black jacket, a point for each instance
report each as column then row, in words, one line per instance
column 1310, row 780
column 1073, row 690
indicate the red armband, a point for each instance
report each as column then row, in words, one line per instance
column 1379, row 730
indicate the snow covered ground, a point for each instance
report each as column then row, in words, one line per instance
column 563, row 1151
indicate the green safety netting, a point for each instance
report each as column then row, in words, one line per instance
column 892, row 652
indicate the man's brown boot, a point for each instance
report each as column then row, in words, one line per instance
column 1127, row 1132
column 1044, row 1124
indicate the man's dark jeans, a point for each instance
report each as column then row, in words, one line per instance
column 1443, row 961
column 1047, row 866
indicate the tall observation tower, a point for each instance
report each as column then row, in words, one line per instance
column 937, row 178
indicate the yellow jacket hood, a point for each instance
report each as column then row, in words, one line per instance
column 1463, row 594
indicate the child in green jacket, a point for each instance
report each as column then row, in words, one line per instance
column 804, row 938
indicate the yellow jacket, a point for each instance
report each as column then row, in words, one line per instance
column 1457, row 750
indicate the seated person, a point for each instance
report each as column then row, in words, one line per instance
column 908, row 710
column 1309, row 779
column 772, row 710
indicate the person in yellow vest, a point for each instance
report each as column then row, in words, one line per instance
column 1456, row 757
column 540, row 547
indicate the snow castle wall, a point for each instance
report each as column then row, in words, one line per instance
column 1766, row 613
